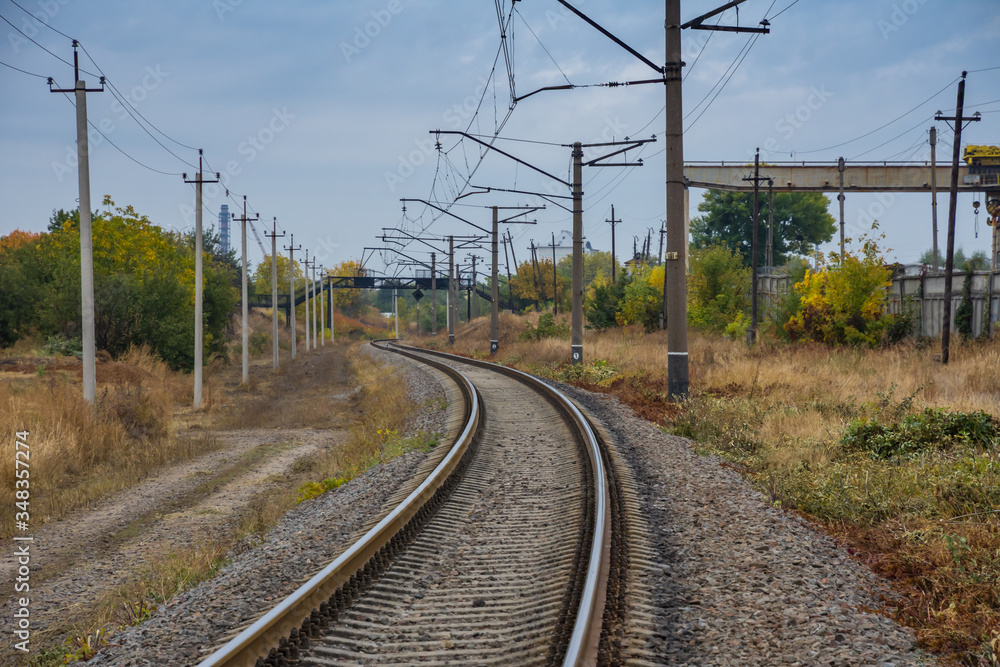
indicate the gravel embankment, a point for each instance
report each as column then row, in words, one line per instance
column 734, row 581
column 189, row 626
column 738, row 582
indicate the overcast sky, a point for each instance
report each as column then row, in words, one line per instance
column 320, row 111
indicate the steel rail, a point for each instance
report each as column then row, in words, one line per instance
column 584, row 640
column 267, row 632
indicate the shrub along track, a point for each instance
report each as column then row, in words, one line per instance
column 509, row 560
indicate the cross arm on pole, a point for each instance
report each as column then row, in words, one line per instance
column 629, row 144
column 447, row 212
column 698, row 23
column 612, row 37
column 504, row 153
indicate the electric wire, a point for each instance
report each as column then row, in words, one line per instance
column 119, row 149
column 60, row 58
column 794, row 2
column 129, row 109
column 23, row 71
column 881, row 127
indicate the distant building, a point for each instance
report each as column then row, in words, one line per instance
column 563, row 247
column 224, row 228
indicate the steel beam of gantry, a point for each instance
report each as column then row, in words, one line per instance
column 825, row 177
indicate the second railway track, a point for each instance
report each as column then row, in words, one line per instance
column 520, row 558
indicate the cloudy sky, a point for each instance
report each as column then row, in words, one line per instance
column 321, row 112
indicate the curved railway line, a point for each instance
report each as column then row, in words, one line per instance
column 513, row 550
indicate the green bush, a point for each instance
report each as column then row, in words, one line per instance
column 932, row 429
column 547, row 328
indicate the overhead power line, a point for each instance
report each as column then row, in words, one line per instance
column 22, row 71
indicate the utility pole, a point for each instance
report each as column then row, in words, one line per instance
column 555, row 286
column 534, row 276
column 506, row 262
column 613, row 223
column 934, row 246
column 291, row 287
column 199, row 286
column 473, row 295
column 274, row 291
column 674, row 275
column 305, row 298
column 434, row 293
column 576, row 187
column 576, row 317
column 949, row 261
column 495, row 286
column 770, row 225
column 395, row 308
column 513, row 256
column 659, row 251
column 840, row 197
column 80, row 90
column 757, row 178
column 322, row 313
column 313, row 288
column 452, row 309
column 246, row 311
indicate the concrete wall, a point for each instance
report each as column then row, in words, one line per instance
column 924, row 293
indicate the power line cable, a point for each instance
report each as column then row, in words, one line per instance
column 119, row 149
column 129, row 109
column 881, row 127
column 40, row 21
column 61, row 59
column 794, row 2
column 23, row 71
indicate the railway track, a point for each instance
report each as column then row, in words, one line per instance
column 514, row 550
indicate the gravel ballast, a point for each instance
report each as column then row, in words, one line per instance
column 192, row 624
column 734, row 581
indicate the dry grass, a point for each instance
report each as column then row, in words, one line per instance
column 82, row 453
column 779, row 412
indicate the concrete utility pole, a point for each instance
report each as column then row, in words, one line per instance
column 322, row 313
column 246, row 312
column 305, row 298
column 434, row 295
column 199, row 282
column 313, row 287
column 555, row 286
column 949, row 261
column 756, row 178
column 274, row 291
column 473, row 294
column 452, row 309
column 506, row 263
column 675, row 260
column 291, row 287
column 80, row 90
column 513, row 256
column 495, row 286
column 840, row 197
column 576, row 317
column 539, row 285
column 675, row 270
column 770, row 225
column 395, row 308
column 934, row 245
